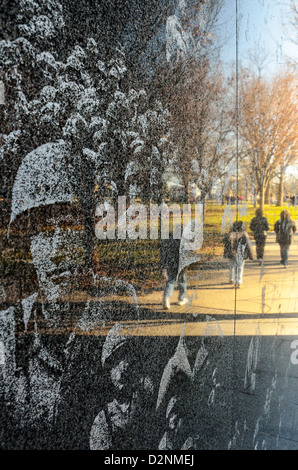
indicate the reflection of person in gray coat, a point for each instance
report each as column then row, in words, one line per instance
column 169, row 256
column 237, row 248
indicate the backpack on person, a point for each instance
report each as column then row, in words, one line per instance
column 283, row 231
column 237, row 244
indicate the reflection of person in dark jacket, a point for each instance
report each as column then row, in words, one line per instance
column 237, row 248
column 169, row 257
column 259, row 226
column 284, row 229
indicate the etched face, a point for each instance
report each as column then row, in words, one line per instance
column 55, row 255
column 121, row 408
column 172, row 414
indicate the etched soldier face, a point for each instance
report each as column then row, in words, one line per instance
column 55, row 256
column 121, row 408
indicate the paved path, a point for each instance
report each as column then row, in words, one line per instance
column 267, row 301
column 245, row 395
column 252, row 333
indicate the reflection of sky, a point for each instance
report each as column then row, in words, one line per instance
column 263, row 25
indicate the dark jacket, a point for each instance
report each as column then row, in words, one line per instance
column 284, row 230
column 169, row 255
column 234, row 241
column 259, row 226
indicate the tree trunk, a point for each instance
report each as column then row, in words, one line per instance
column 262, row 197
column 87, row 200
column 267, row 193
column 280, row 199
column 88, row 204
column 186, row 189
column 91, row 258
column 204, row 193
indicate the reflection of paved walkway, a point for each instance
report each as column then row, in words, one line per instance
column 265, row 304
column 251, row 332
column 246, row 391
column 267, row 300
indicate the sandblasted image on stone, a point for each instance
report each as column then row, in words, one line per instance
column 148, row 198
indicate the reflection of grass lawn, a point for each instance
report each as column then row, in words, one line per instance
column 138, row 261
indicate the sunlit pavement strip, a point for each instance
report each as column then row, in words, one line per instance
column 266, row 304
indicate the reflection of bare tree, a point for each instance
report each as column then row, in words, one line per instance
column 290, row 10
column 267, row 126
column 259, row 59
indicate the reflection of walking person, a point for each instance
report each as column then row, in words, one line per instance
column 237, row 248
column 259, row 226
column 284, row 229
column 169, row 257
